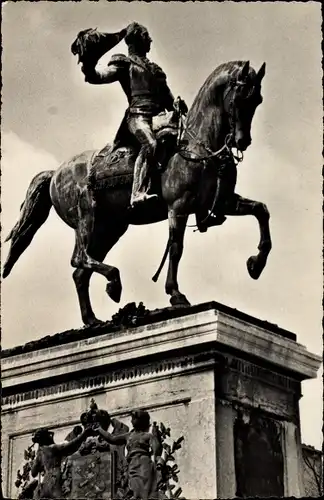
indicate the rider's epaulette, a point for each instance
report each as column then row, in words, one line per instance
column 119, row 60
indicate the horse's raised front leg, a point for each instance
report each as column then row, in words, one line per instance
column 177, row 226
column 243, row 206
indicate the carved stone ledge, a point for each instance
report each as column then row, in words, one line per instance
column 244, row 384
column 207, row 329
column 263, row 374
column 123, row 376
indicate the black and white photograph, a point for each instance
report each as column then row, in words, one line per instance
column 161, row 238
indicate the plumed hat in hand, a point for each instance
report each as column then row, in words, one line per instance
column 90, row 45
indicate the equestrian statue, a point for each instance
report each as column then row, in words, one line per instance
column 166, row 162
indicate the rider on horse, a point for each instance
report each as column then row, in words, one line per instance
column 148, row 94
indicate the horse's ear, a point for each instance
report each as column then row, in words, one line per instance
column 244, row 71
column 260, row 74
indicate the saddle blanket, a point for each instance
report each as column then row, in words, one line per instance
column 113, row 167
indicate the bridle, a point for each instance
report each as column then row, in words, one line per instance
column 226, row 149
column 225, row 153
column 210, row 153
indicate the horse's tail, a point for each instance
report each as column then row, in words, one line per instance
column 33, row 213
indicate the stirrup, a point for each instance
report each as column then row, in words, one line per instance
column 212, row 220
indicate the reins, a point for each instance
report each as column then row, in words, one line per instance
column 211, row 154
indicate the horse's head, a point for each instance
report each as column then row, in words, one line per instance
column 242, row 95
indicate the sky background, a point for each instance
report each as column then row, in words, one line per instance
column 49, row 114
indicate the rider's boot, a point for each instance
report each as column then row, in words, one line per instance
column 141, row 184
column 206, row 219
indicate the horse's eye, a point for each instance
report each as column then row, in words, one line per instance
column 244, row 92
column 249, row 91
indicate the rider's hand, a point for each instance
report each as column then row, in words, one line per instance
column 183, row 107
column 88, row 70
column 180, row 106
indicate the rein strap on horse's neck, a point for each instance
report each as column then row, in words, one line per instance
column 197, row 158
column 223, row 152
column 232, row 86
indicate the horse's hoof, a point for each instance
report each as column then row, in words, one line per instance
column 114, row 290
column 93, row 322
column 255, row 266
column 179, row 300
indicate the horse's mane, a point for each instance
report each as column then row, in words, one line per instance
column 220, row 76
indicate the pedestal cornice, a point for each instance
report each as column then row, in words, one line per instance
column 207, row 329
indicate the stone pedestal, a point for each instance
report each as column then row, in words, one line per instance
column 229, row 383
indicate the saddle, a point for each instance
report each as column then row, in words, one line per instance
column 113, row 165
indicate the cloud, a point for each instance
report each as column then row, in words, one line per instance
column 37, row 286
column 20, row 163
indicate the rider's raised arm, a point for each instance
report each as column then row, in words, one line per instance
column 112, row 73
column 106, row 75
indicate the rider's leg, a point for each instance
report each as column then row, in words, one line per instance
column 221, row 195
column 205, row 220
column 141, row 127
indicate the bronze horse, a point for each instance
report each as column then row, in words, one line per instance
column 219, row 120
